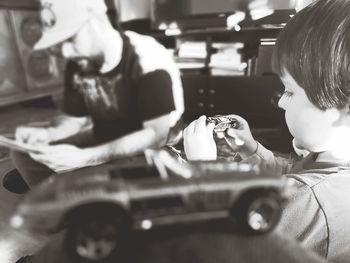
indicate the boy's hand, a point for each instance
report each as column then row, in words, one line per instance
column 199, row 142
column 32, row 135
column 240, row 139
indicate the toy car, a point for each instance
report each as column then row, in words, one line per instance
column 100, row 205
column 223, row 122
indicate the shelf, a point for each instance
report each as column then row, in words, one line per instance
column 225, row 35
column 225, row 31
column 199, row 26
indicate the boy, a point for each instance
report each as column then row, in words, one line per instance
column 312, row 57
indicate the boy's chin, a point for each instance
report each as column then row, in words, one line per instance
column 299, row 149
column 298, row 145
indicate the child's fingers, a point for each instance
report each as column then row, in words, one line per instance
column 220, row 135
column 241, row 122
column 190, row 128
column 210, row 128
column 233, row 134
column 200, row 124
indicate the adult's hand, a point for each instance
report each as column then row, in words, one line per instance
column 63, row 158
column 199, row 142
column 32, row 135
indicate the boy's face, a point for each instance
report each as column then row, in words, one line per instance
column 312, row 128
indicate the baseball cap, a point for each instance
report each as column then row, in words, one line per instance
column 62, row 19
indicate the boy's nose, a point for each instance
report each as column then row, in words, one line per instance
column 277, row 99
column 281, row 103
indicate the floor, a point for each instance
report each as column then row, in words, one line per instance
column 13, row 244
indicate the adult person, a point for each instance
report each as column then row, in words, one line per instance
column 125, row 84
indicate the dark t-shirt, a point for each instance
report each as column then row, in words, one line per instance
column 122, row 99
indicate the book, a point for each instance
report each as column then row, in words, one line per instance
column 16, row 145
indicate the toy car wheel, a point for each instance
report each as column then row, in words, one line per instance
column 258, row 211
column 97, row 237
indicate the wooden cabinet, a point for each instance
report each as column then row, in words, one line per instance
column 254, row 98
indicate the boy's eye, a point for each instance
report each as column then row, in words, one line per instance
column 287, row 94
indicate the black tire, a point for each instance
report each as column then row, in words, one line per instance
column 257, row 211
column 97, row 234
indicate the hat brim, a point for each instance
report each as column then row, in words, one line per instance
column 54, row 37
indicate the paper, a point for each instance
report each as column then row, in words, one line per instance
column 15, row 145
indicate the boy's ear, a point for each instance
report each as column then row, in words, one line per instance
column 344, row 116
column 346, row 109
column 338, row 116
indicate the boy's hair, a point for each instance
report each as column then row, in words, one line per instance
column 314, row 48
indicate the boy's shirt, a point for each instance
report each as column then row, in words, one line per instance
column 317, row 213
column 266, row 158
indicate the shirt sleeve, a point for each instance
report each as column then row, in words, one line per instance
column 267, row 159
column 155, row 95
column 73, row 102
